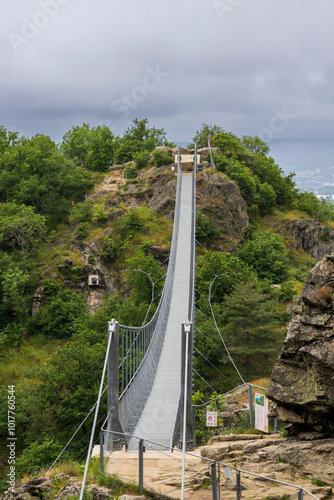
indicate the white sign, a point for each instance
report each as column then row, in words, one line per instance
column 211, row 418
column 261, row 413
column 228, row 472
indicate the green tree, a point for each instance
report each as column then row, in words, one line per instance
column 251, row 332
column 59, row 316
column 71, row 383
column 265, row 253
column 21, row 228
column 266, row 199
column 220, row 272
column 76, row 143
column 136, row 139
column 238, row 172
column 161, row 158
column 145, row 274
column 101, row 151
column 268, row 172
column 33, row 172
column 14, row 284
column 319, row 209
column 90, row 147
column 229, row 144
column 255, row 144
column 203, row 135
column 141, row 159
column 38, row 456
column 206, row 229
column 7, row 139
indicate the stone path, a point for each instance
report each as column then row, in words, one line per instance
column 268, row 456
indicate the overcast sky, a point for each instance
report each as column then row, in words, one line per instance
column 254, row 67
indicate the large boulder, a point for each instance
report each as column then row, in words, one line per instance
column 302, row 381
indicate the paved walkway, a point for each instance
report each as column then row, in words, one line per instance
column 157, row 420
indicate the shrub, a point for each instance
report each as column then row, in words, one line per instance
column 99, row 214
column 287, row 291
column 81, row 212
column 131, row 173
column 141, row 159
column 205, row 227
column 161, row 158
column 81, row 231
column 38, row 455
column 266, row 253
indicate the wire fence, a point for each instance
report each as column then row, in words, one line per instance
column 160, row 471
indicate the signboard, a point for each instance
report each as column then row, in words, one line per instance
column 211, row 418
column 261, row 413
column 228, row 472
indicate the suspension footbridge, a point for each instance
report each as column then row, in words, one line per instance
column 149, row 393
column 152, row 368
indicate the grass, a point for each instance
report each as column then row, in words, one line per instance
column 318, row 482
column 25, row 363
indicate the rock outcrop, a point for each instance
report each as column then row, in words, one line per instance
column 220, row 199
column 163, row 200
column 40, row 488
column 302, row 381
column 287, row 459
column 312, row 236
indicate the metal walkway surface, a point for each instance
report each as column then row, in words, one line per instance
column 157, row 421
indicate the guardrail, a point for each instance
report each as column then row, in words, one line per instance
column 160, row 472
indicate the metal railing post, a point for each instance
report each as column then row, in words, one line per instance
column 214, row 481
column 251, row 409
column 141, row 465
column 186, row 386
column 101, row 452
column 300, row 494
column 113, row 443
column 238, row 485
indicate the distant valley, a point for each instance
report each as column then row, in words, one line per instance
column 312, row 160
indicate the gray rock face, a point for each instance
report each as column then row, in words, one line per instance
column 217, row 196
column 312, row 236
column 295, row 458
column 37, row 488
column 163, row 199
column 302, row 381
column 220, row 199
column 40, row 487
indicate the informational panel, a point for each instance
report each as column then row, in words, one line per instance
column 211, row 418
column 261, row 413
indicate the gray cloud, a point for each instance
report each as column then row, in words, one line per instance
column 235, row 63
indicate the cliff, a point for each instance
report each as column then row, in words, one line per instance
column 302, row 381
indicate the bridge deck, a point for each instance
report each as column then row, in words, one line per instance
column 158, row 418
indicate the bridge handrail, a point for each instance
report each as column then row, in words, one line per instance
column 138, row 369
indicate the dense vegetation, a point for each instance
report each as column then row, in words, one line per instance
column 54, row 356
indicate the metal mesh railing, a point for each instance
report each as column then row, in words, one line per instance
column 160, row 472
column 141, row 347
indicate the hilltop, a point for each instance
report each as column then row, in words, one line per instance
column 82, row 241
